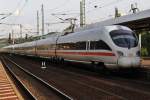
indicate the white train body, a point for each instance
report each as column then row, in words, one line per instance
column 115, row 46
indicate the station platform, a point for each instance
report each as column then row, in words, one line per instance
column 146, row 62
column 8, row 90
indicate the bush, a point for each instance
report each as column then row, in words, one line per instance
column 144, row 52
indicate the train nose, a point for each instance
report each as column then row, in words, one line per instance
column 127, row 62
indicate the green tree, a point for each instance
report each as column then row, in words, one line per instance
column 145, row 44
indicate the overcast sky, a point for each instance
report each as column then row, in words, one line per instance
column 24, row 12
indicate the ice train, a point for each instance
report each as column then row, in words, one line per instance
column 113, row 46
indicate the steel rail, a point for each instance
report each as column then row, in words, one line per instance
column 65, row 96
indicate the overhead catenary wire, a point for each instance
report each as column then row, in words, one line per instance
column 9, row 14
column 60, row 6
column 18, row 4
column 91, row 10
column 55, row 23
column 16, row 8
column 24, row 5
column 96, row 7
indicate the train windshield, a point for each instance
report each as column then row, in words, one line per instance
column 124, row 38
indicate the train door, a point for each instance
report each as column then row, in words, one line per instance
column 87, row 46
column 87, row 57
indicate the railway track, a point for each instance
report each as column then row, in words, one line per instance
column 87, row 86
column 36, row 88
column 75, row 90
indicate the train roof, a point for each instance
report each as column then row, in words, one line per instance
column 73, row 37
column 90, row 34
column 46, row 41
column 33, row 43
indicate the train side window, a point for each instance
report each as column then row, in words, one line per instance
column 43, row 47
column 92, row 45
column 72, row 46
column 60, row 46
column 99, row 45
column 80, row 45
column 69, row 46
column 52, row 46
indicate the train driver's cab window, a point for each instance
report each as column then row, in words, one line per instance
column 99, row 45
column 124, row 38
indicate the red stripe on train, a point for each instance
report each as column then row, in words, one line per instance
column 89, row 53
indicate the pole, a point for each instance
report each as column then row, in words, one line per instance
column 20, row 31
column 38, row 23
column 13, row 40
column 81, row 14
column 42, row 10
column 84, row 12
column 9, row 39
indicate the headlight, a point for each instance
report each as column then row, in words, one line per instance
column 138, row 53
column 120, row 53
